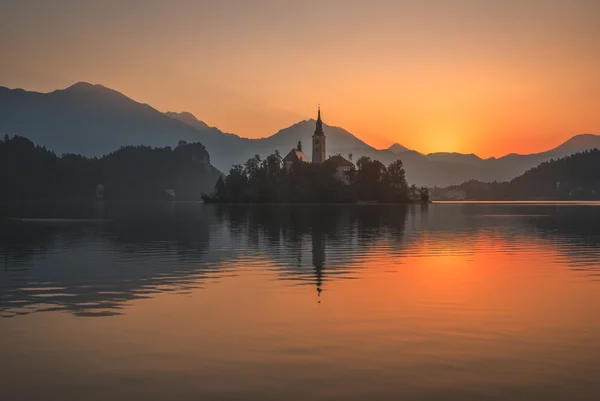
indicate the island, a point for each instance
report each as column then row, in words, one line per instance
column 335, row 179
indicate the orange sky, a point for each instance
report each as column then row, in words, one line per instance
column 468, row 76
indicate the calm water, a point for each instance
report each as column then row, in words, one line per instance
column 195, row 302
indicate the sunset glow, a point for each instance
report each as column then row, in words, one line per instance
column 467, row 76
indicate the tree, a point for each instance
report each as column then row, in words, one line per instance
column 397, row 175
column 235, row 184
column 299, row 147
column 273, row 165
column 424, row 195
column 29, row 172
column 395, row 187
column 413, row 192
column 220, row 189
column 252, row 167
column 362, row 161
column 369, row 184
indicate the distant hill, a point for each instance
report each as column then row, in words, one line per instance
column 577, row 143
column 397, row 148
column 573, row 177
column 229, row 149
column 338, row 139
column 86, row 119
column 470, row 159
column 189, row 119
column 93, row 120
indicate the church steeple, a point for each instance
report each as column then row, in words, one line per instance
column 319, row 128
column 318, row 151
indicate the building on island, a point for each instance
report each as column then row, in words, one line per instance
column 319, row 141
column 295, row 156
column 343, row 167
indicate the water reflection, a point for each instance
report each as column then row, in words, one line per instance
column 93, row 260
column 311, row 245
column 92, row 266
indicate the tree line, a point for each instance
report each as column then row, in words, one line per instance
column 30, row 172
column 574, row 177
column 267, row 180
column 33, row 173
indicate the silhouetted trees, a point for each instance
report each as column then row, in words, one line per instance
column 265, row 180
column 33, row 173
column 424, row 195
column 29, row 172
column 575, row 177
column 143, row 172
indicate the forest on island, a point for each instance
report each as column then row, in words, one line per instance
column 267, row 180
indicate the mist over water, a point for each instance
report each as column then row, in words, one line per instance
column 323, row 302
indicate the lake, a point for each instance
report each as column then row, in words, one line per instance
column 187, row 301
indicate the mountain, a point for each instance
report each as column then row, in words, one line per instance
column 189, row 119
column 338, row 139
column 577, row 143
column 512, row 165
column 573, row 177
column 93, row 120
column 576, row 176
column 228, row 149
column 397, row 148
column 90, row 120
column 470, row 159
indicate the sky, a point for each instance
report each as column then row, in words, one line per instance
column 484, row 77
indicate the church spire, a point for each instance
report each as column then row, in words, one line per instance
column 319, row 127
column 319, row 149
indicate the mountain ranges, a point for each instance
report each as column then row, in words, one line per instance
column 93, row 120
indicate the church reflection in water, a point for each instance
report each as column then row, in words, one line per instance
column 92, row 261
column 318, row 257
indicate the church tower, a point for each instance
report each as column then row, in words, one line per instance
column 318, row 149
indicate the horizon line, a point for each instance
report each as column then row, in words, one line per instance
column 308, row 119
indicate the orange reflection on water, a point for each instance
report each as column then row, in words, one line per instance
column 466, row 314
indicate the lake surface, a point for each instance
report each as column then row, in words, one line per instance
column 208, row 302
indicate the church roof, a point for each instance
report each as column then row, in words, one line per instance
column 296, row 155
column 339, row 161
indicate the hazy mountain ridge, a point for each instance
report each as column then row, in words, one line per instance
column 93, row 120
column 581, row 141
column 573, row 177
column 90, row 120
column 397, row 148
column 189, row 119
column 453, row 157
column 440, row 168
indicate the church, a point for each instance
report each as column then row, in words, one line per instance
column 343, row 167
